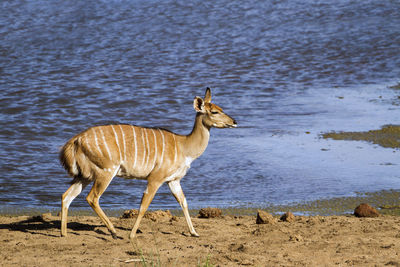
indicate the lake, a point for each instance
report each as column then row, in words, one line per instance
column 287, row 71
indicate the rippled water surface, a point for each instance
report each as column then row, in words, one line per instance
column 285, row 70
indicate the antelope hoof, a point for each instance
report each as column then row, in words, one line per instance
column 114, row 236
column 63, row 233
column 132, row 237
column 133, row 234
column 194, row 234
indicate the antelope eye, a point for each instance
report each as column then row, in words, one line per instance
column 214, row 112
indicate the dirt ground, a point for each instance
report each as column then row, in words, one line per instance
column 226, row 241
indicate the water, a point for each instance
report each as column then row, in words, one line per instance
column 285, row 70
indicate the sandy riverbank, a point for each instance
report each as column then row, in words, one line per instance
column 226, row 241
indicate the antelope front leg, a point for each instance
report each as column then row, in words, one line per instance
column 176, row 189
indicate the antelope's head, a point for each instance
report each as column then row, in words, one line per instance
column 213, row 115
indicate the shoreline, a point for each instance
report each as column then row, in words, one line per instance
column 385, row 201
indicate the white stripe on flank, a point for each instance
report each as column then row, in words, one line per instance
column 88, row 144
column 134, row 138
column 105, row 144
column 97, row 142
column 123, row 139
column 162, row 152
column 116, row 140
column 155, row 148
column 176, row 150
column 148, row 149
column 144, row 147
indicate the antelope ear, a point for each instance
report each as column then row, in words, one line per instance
column 198, row 104
column 207, row 98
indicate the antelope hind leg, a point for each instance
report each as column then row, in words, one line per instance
column 100, row 185
column 72, row 192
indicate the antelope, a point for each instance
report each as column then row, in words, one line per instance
column 132, row 152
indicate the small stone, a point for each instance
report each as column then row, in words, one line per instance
column 130, row 214
column 365, row 210
column 288, row 217
column 159, row 215
column 46, row 217
column 264, row 218
column 210, row 213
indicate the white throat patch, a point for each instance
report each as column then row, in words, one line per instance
column 188, row 161
column 181, row 171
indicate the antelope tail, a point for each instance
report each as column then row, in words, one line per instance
column 75, row 161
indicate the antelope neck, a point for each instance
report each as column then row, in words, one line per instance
column 196, row 142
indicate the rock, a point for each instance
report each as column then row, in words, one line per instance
column 130, row 214
column 265, row 218
column 365, row 210
column 46, row 217
column 315, row 220
column 288, row 217
column 210, row 213
column 159, row 215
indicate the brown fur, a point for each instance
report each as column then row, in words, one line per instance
column 75, row 161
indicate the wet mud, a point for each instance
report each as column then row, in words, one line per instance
column 388, row 136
